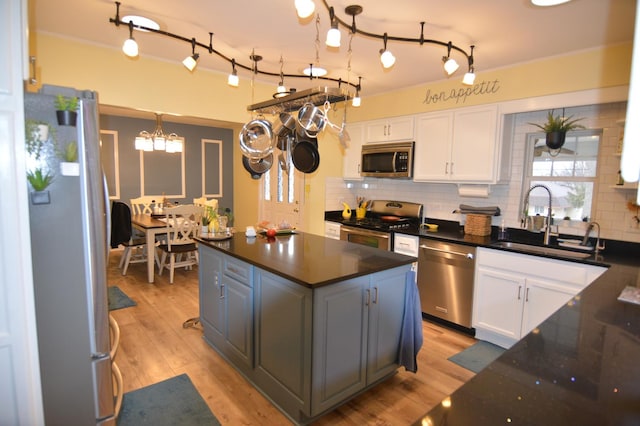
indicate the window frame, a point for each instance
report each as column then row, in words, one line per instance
column 528, row 178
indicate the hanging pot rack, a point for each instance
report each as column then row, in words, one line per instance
column 295, row 100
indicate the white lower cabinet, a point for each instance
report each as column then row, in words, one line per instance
column 514, row 292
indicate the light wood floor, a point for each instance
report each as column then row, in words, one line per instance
column 154, row 346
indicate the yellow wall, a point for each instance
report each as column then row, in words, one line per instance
column 164, row 86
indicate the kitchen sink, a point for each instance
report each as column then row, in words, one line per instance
column 550, row 251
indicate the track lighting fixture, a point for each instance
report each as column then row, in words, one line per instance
column 190, row 62
column 147, row 25
column 333, row 35
column 130, row 46
column 305, row 8
column 386, row 57
column 450, row 64
column 470, row 77
column 233, row 79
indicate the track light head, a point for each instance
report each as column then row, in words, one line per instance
column 450, row 64
column 386, row 57
column 333, row 35
column 305, row 8
column 233, row 79
column 190, row 62
column 130, row 46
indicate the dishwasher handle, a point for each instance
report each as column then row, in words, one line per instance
column 456, row 253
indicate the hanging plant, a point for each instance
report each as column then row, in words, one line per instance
column 557, row 127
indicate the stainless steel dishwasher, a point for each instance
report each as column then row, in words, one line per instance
column 445, row 280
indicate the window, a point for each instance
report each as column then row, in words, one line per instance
column 570, row 174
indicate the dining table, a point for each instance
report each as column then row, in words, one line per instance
column 151, row 227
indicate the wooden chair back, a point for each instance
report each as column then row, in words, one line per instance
column 183, row 224
column 143, row 205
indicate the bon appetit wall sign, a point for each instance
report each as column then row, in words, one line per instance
column 460, row 96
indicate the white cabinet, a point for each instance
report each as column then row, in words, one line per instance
column 352, row 154
column 458, row 146
column 392, row 129
column 514, row 292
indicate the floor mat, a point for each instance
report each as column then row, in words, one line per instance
column 478, row 356
column 117, row 299
column 171, row 402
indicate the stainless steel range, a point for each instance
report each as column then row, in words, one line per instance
column 382, row 219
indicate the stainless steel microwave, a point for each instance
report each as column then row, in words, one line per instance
column 387, row 160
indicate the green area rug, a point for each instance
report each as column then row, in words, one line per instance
column 172, row 402
column 478, row 356
column 117, row 299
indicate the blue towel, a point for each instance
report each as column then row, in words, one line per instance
column 411, row 333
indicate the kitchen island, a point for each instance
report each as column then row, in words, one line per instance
column 309, row 321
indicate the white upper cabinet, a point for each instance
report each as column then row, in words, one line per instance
column 392, row 129
column 352, row 155
column 458, row 146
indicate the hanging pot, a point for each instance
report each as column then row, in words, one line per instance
column 555, row 140
column 311, row 119
column 256, row 139
column 305, row 155
column 257, row 166
column 286, row 125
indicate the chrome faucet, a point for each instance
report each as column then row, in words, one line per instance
column 525, row 213
column 585, row 239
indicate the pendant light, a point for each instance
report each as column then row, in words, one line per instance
column 158, row 140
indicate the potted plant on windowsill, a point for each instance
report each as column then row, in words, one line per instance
column 66, row 110
column 69, row 165
column 556, row 129
column 39, row 181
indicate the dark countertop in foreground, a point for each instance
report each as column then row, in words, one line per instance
column 309, row 259
column 581, row 366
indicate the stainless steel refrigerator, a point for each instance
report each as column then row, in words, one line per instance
column 69, row 252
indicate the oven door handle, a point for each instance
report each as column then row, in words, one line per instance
column 457, row 253
column 364, row 232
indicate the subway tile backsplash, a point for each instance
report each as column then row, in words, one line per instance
column 441, row 199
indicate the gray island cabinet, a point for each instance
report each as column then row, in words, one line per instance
column 309, row 321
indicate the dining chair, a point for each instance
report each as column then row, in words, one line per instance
column 144, row 204
column 180, row 248
column 202, row 201
column 122, row 233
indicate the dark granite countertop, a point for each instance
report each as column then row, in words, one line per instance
column 308, row 259
column 581, row 366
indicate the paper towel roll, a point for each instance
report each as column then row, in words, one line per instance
column 476, row 191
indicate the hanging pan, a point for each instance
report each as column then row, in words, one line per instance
column 256, row 139
column 257, row 166
column 305, row 155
